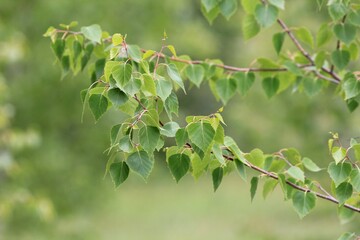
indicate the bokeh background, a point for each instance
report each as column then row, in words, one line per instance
column 52, row 165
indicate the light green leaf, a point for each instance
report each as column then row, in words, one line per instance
column 338, row 153
column 337, row 11
column 98, row 105
column 175, row 75
column 133, row 86
column 250, row 27
column 355, row 179
column 117, row 97
column 201, row 134
column 254, row 183
column 339, row 172
column 125, row 144
column 351, row 86
column 324, row 35
column 119, row 172
column 312, row 86
column 181, row 136
column 195, row 73
column 212, row 14
column 345, row 215
column 226, row 88
column 354, row 17
column 134, row 53
column 148, row 137
column 172, row 105
column 228, row 8
column 241, row 169
column 163, row 88
column 244, row 81
column 179, row 165
column 209, row 4
column 296, row 173
column 266, row 15
column 148, row 87
column 278, row 40
column 310, row 165
column 278, row 3
column 343, row 192
column 303, row 202
column 256, row 157
column 345, row 32
column 232, row 146
column 304, row 35
column 169, row 129
column 270, row 86
column 141, row 163
column 217, row 176
column 148, row 54
column 269, row 186
column 122, row 74
column 218, row 153
column 172, row 50
column 249, row 6
column 347, row 236
column 117, row 39
column 340, row 58
column 114, row 132
column 108, row 69
column 92, row 32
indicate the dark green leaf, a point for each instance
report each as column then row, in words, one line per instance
column 352, row 104
column 303, row 202
column 181, row 136
column 58, row 47
column 270, row 86
column 340, row 58
column 278, row 40
column 343, row 192
column 254, row 183
column 337, row 11
column 179, row 165
column 119, row 172
column 125, row 144
column 148, row 137
column 354, row 17
column 355, row 179
column 218, row 153
column 339, row 172
column 117, row 97
column 98, row 105
column 244, row 81
column 241, row 169
column 345, row 32
column 226, row 88
column 114, row 132
column 141, row 163
column 99, row 67
column 217, row 176
column 228, row 8
column 172, row 105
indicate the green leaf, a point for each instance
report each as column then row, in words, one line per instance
column 355, row 179
column 98, row 105
column 195, row 73
column 108, row 69
column 117, row 39
column 92, row 32
column 232, row 146
column 269, row 186
column 266, row 15
column 343, row 192
column 209, row 4
column 77, row 48
column 278, row 3
column 338, row 153
column 217, row 176
column 347, row 236
column 351, row 86
column 283, row 185
column 249, row 6
column 163, row 88
column 122, row 74
column 119, row 172
column 114, row 132
column 324, row 35
column 133, row 86
column 345, row 214
column 172, row 50
column 270, row 86
column 352, row 104
column 218, row 153
column 241, row 169
column 148, row 87
column 354, row 17
column 296, row 173
column 212, row 14
column 228, row 8
column 345, row 32
column 250, row 27
column 125, row 144
column 278, row 40
column 179, row 165
column 339, row 172
column 58, row 47
column 175, row 75
column 337, row 11
column 181, row 136
column 134, row 53
column 201, row 134
column 148, row 54
column 226, row 88
column 117, row 97
column 244, row 81
column 148, row 137
column 303, row 202
column 172, row 105
column 312, row 86
column 256, row 157
column 141, row 163
column 340, row 58
column 169, row 129
column 254, row 183
column 310, row 165
column 304, row 35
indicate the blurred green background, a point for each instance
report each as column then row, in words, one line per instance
column 52, row 165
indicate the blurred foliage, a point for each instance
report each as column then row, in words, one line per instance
column 59, row 178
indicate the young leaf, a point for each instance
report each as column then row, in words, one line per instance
column 343, row 192
column 254, row 183
column 339, row 172
column 98, row 105
column 217, row 176
column 119, row 172
column 249, row 6
column 195, row 73
column 212, row 14
column 175, row 75
column 310, row 165
column 117, row 39
column 141, row 163
column 93, row 33
column 250, row 27
column 169, row 129
column 226, row 89
column 266, row 14
column 345, row 32
column 303, row 202
column 340, row 58
column 201, row 134
column 278, row 40
column 179, row 165
column 148, row 137
column 117, row 97
column 270, row 86
column 296, row 173
column 338, row 153
column 108, row 69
